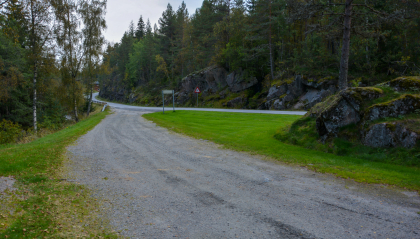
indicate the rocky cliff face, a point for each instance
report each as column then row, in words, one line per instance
column 212, row 80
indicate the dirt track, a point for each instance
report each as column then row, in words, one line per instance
column 157, row 184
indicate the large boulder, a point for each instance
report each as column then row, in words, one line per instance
column 386, row 135
column 404, row 105
column 342, row 109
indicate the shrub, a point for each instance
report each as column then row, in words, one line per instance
column 9, row 131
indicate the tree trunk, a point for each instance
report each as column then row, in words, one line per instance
column 345, row 52
column 269, row 45
column 76, row 116
column 34, row 101
column 90, row 100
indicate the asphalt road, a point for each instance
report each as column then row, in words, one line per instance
column 158, row 184
column 156, row 109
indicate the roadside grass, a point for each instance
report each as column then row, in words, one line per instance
column 44, row 205
column 255, row 133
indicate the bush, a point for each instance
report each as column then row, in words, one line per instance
column 9, row 131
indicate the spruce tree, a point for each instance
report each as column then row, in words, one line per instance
column 140, row 31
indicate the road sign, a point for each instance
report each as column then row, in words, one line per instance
column 173, row 98
column 197, row 90
column 167, row 92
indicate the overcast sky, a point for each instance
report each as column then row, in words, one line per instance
column 121, row 12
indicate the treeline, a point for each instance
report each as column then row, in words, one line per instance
column 49, row 58
column 351, row 40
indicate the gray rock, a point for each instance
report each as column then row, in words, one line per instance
column 390, row 135
column 278, row 105
column 296, row 88
column 402, row 106
column 340, row 115
column 238, row 82
column 276, row 91
column 210, row 79
column 237, row 102
column 344, row 109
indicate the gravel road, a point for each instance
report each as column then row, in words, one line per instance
column 158, row 184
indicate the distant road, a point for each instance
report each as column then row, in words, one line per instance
column 156, row 109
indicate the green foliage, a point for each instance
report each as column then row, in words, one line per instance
column 9, row 131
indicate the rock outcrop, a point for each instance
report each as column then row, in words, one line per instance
column 210, row 79
column 214, row 79
column 237, row 81
column 390, row 135
column 355, row 106
column 299, row 93
column 342, row 110
column 405, row 105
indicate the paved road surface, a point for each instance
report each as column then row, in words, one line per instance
column 158, row 184
column 156, row 109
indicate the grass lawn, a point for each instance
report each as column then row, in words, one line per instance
column 45, row 206
column 255, row 133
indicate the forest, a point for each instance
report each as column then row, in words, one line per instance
column 353, row 41
column 50, row 52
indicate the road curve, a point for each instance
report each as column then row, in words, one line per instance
column 158, row 184
column 157, row 109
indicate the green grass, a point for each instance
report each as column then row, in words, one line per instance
column 44, row 206
column 255, row 133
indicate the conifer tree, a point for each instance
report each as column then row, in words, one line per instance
column 140, row 30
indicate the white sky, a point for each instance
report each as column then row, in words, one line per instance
column 121, row 12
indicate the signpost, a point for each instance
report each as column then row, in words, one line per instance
column 197, row 90
column 166, row 92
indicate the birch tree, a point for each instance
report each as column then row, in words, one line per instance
column 69, row 39
column 93, row 18
column 40, row 27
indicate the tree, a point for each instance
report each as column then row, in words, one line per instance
column 140, row 30
column 93, row 18
column 40, row 34
column 69, row 39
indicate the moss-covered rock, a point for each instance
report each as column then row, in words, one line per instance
column 387, row 135
column 342, row 109
column 406, row 83
column 406, row 104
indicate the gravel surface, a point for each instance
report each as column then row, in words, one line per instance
column 7, row 183
column 158, row 184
